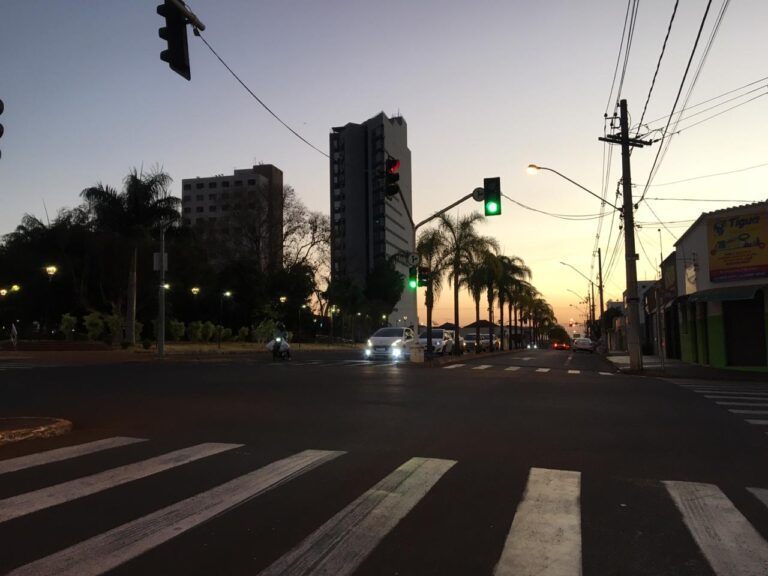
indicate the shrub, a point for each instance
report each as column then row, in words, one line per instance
column 114, row 324
column 226, row 334
column 94, row 325
column 264, row 331
column 207, row 331
column 176, row 330
column 68, row 325
column 195, row 331
column 242, row 334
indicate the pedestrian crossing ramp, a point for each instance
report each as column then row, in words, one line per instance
column 543, row 535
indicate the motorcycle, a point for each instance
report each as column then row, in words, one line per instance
column 279, row 347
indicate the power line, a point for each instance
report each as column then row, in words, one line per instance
column 259, row 100
column 707, row 176
column 660, row 220
column 677, row 98
column 618, row 57
column 705, row 199
column 630, row 36
column 658, row 65
column 561, row 216
column 684, row 128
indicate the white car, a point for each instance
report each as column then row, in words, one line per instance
column 392, row 343
column 442, row 340
column 583, row 344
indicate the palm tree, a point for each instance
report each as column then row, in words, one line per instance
column 431, row 250
column 514, row 270
column 143, row 206
column 542, row 317
column 462, row 243
column 492, row 271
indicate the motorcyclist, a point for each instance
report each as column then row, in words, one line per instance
column 281, row 336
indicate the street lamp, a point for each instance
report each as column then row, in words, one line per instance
column 220, row 328
column 283, row 299
column 51, row 270
column 195, row 290
column 632, row 306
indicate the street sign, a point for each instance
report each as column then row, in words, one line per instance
column 413, row 259
column 478, row 194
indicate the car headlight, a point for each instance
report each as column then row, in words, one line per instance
column 396, row 352
column 367, row 351
column 370, row 344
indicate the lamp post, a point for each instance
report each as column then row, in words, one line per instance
column 592, row 304
column 633, row 314
column 51, row 271
column 220, row 328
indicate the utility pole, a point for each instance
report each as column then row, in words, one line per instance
column 633, row 301
column 600, row 289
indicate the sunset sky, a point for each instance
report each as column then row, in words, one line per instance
column 486, row 88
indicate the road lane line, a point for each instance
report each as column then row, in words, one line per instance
column 545, row 536
column 755, row 412
column 29, row 502
column 340, row 545
column 725, row 391
column 512, row 368
column 542, row 369
column 59, row 454
column 757, row 422
column 574, row 371
column 606, row 373
column 729, row 542
column 482, row 367
column 744, row 403
column 731, row 397
column 452, row 366
column 115, row 547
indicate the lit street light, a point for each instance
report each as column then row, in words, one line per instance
column 51, row 271
column 220, row 328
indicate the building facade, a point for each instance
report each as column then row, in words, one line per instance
column 367, row 227
column 249, row 200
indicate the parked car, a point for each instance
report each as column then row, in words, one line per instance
column 560, row 346
column 491, row 344
column 442, row 340
column 461, row 343
column 391, row 343
column 472, row 344
column 583, row 344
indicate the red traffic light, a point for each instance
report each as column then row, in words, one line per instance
column 393, row 166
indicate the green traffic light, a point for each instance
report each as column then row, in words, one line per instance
column 412, row 283
column 491, row 208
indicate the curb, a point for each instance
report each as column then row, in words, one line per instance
column 26, row 427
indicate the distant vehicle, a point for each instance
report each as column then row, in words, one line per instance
column 461, row 343
column 561, row 346
column 472, row 345
column 442, row 340
column 494, row 344
column 392, row 343
column 583, row 344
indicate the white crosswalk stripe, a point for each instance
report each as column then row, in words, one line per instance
column 730, row 543
column 544, row 370
column 453, row 366
column 59, row 454
column 574, row 371
column 482, row 367
column 113, row 548
column 512, row 368
column 341, row 544
column 544, row 534
column 45, row 497
column 741, row 400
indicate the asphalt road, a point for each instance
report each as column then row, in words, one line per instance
column 544, row 462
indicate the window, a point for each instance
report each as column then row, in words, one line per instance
column 225, row 195
column 225, row 184
column 187, row 197
column 225, row 208
column 251, row 181
column 199, row 185
column 199, row 209
column 211, row 208
column 211, row 196
column 187, row 209
column 187, row 186
column 238, row 182
column 187, row 222
column 211, row 184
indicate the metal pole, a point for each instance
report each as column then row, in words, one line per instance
column 161, row 298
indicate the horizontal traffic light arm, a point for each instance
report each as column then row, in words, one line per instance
column 188, row 14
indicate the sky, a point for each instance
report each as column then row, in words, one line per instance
column 486, row 87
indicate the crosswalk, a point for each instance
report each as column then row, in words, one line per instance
column 543, row 529
column 5, row 366
column 523, row 369
column 748, row 401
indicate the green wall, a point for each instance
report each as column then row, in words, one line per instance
column 716, row 330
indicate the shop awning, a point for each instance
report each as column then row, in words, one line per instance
column 724, row 294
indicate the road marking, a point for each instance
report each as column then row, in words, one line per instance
column 574, row 371
column 724, row 391
column 482, row 367
column 745, row 403
column 755, row 412
column 731, row 397
column 757, row 422
column 111, row 549
column 727, row 539
column 545, row 536
column 452, row 366
column 527, row 358
column 512, row 368
column 53, row 495
column 542, row 369
column 340, row 545
column 606, row 373
column 59, row 454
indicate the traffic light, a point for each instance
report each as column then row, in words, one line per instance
column 423, row 276
column 2, row 106
column 392, row 176
column 492, row 199
column 413, row 278
column 175, row 33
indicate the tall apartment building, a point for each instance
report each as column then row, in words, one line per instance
column 250, row 197
column 366, row 226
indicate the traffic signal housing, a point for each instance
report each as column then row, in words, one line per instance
column 175, row 34
column 423, row 276
column 392, row 177
column 413, row 278
column 2, row 107
column 492, row 199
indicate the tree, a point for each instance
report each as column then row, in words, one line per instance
column 431, row 250
column 383, row 288
column 132, row 215
column 513, row 271
column 462, row 244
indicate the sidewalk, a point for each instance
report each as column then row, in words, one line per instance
column 672, row 368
